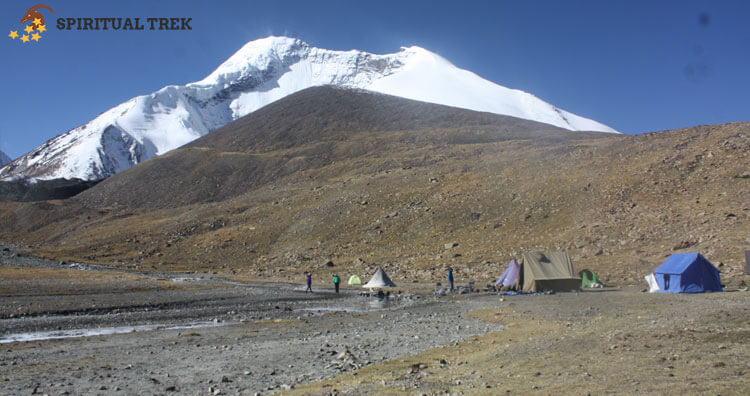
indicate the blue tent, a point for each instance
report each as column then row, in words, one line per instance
column 687, row 273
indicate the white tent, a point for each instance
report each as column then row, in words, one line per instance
column 510, row 276
column 380, row 279
column 653, row 286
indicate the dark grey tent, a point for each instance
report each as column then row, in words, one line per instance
column 548, row 271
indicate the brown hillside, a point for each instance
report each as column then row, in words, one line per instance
column 308, row 130
column 389, row 182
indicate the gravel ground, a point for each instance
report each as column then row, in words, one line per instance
column 262, row 338
column 250, row 337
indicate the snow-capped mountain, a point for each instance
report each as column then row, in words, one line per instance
column 259, row 73
column 4, row 159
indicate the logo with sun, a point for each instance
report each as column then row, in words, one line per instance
column 33, row 31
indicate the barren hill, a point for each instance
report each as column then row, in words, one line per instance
column 308, row 130
column 368, row 180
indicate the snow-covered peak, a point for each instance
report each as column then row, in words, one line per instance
column 254, row 56
column 261, row 72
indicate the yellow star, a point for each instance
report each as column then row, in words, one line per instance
column 13, row 34
column 36, row 37
column 42, row 28
column 25, row 38
column 37, row 21
column 29, row 29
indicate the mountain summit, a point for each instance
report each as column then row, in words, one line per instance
column 262, row 72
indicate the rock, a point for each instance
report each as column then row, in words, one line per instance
column 415, row 368
column 684, row 244
column 451, row 245
column 225, row 379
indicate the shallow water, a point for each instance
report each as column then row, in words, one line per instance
column 58, row 334
column 373, row 304
column 186, row 279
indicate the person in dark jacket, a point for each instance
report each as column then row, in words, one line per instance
column 308, row 278
column 336, row 281
column 450, row 277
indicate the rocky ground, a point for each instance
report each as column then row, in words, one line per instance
column 269, row 337
column 247, row 338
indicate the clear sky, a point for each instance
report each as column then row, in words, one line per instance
column 637, row 66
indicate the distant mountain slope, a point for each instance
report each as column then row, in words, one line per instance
column 259, row 73
column 42, row 190
column 4, row 159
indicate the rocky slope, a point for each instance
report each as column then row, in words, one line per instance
column 469, row 190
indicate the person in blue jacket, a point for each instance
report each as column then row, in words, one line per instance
column 450, row 277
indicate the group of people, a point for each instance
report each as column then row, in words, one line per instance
column 336, row 281
column 308, row 278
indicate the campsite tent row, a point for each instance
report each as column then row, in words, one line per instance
column 680, row 273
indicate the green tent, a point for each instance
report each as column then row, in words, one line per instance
column 354, row 280
column 589, row 279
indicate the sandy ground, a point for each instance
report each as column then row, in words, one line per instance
column 266, row 338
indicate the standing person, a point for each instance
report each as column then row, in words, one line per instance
column 336, row 281
column 450, row 277
column 308, row 278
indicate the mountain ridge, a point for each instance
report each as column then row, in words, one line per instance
column 261, row 72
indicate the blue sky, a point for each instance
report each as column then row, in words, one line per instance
column 638, row 66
